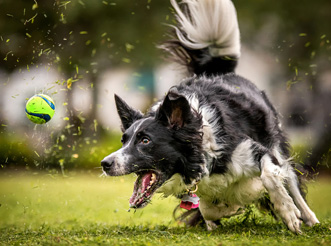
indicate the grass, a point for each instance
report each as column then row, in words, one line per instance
column 85, row 209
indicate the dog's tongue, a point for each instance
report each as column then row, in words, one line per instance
column 140, row 187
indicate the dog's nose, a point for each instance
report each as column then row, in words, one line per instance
column 106, row 164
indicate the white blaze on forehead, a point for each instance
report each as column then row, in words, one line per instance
column 121, row 156
column 136, row 128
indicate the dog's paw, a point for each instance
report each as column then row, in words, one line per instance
column 210, row 225
column 310, row 219
column 291, row 217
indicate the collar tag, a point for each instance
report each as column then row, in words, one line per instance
column 189, row 201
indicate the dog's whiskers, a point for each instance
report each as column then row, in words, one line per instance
column 103, row 174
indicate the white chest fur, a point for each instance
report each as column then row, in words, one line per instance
column 225, row 189
column 219, row 188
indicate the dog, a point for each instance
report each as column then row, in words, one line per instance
column 215, row 132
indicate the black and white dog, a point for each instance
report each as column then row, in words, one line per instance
column 216, row 129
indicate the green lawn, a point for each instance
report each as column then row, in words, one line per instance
column 85, row 209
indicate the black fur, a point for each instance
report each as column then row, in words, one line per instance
column 199, row 62
column 127, row 114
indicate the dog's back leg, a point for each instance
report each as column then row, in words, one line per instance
column 273, row 177
column 250, row 159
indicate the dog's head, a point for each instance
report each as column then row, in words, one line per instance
column 157, row 145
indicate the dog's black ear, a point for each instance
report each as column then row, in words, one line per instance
column 127, row 114
column 175, row 111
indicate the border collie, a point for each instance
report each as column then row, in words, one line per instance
column 215, row 131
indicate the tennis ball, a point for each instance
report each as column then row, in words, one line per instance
column 40, row 109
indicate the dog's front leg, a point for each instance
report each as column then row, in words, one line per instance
column 273, row 178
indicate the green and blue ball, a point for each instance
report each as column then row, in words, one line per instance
column 40, row 109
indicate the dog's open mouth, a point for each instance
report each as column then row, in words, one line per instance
column 144, row 188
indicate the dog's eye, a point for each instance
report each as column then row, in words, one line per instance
column 145, row 140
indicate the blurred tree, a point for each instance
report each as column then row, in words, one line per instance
column 80, row 33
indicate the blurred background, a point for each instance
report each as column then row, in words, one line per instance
column 81, row 52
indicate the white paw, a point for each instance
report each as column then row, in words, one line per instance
column 291, row 217
column 310, row 220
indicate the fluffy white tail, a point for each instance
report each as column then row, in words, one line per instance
column 209, row 24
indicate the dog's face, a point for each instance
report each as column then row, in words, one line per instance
column 157, row 146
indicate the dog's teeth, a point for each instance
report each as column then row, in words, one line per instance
column 153, row 178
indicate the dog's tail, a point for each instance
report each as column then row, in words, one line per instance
column 207, row 36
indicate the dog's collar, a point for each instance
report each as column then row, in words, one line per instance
column 191, row 191
column 190, row 200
